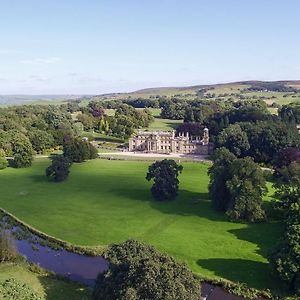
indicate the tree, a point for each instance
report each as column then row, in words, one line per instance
column 3, row 160
column 59, row 169
column 234, row 139
column 78, row 150
column 22, row 154
column 290, row 113
column 287, row 184
column 193, row 128
column 246, row 188
column 286, row 156
column 87, row 121
column 284, row 257
column 41, row 140
column 219, row 175
column 267, row 138
column 137, row 271
column 165, row 175
column 237, row 186
column 96, row 109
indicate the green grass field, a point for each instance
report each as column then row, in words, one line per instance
column 110, row 201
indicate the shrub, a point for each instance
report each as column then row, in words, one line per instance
column 137, row 271
column 12, row 289
column 8, row 250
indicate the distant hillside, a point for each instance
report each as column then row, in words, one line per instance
column 270, row 91
column 220, row 87
column 28, row 99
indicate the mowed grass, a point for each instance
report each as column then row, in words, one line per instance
column 104, row 202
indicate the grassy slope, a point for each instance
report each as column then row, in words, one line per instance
column 47, row 287
column 164, row 124
column 109, row 201
column 189, row 93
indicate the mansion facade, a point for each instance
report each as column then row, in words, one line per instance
column 166, row 142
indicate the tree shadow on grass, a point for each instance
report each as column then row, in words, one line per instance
column 186, row 204
column 189, row 204
column 264, row 235
column 40, row 178
column 252, row 273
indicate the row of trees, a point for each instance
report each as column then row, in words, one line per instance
column 237, row 186
column 284, row 257
column 246, row 128
column 261, row 140
column 75, row 150
column 25, row 130
column 125, row 120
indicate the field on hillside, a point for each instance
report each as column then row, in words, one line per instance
column 164, row 124
column 110, row 201
column 45, row 286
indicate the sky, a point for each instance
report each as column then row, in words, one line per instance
column 95, row 46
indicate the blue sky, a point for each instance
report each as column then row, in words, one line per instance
column 92, row 47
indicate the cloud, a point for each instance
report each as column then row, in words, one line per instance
column 38, row 61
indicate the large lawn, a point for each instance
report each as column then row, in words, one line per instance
column 110, row 201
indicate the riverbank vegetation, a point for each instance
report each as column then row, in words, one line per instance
column 20, row 280
column 139, row 271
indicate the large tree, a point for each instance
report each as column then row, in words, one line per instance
column 287, row 184
column 234, row 139
column 290, row 113
column 246, row 188
column 165, row 175
column 286, row 156
column 284, row 257
column 41, row 140
column 23, row 154
column 137, row 272
column 219, row 175
column 236, row 186
column 78, row 150
column 59, row 169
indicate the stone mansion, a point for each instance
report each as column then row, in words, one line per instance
column 166, row 142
